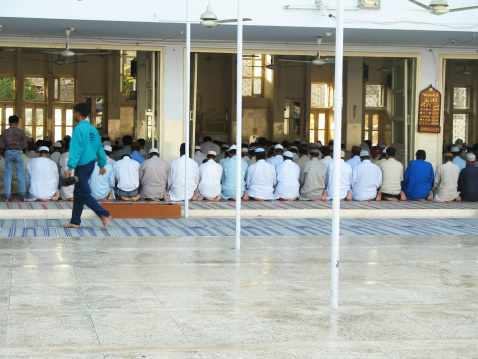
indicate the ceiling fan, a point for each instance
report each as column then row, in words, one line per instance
column 439, row 7
column 466, row 71
column 209, row 19
column 318, row 61
column 69, row 53
column 60, row 61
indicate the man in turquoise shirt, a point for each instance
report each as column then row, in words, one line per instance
column 85, row 151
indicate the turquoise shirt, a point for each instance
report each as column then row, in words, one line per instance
column 85, row 146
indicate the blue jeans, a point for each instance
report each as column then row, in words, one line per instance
column 82, row 194
column 14, row 157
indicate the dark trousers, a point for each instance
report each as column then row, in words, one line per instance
column 82, row 194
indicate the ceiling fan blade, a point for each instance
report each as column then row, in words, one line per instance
column 91, row 53
column 421, row 5
column 231, row 20
column 55, row 52
column 286, row 60
column 463, row 8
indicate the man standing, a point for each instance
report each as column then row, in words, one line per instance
column 210, row 174
column 14, row 141
column 446, row 181
column 366, row 179
column 468, row 180
column 85, row 150
column 153, row 176
column 418, row 179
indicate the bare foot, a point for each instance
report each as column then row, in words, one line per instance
column 110, row 196
column 245, row 197
column 196, row 195
column 379, row 196
column 166, row 198
column 105, row 220
column 257, row 199
column 71, row 225
column 402, row 196
column 136, row 198
column 127, row 199
column 56, row 196
column 71, row 199
column 44, row 200
column 25, row 200
column 349, row 196
column 392, row 199
column 430, row 196
column 458, row 199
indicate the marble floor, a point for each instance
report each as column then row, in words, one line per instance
column 196, row 297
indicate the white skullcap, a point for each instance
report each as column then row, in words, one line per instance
column 342, row 153
column 108, row 148
column 364, row 154
column 233, row 147
column 260, row 149
column 278, row 147
column 244, row 149
column 106, row 143
column 470, row 157
column 212, row 153
column 225, row 145
column 57, row 145
column 455, row 149
column 197, row 147
column 43, row 148
column 153, row 150
column 288, row 154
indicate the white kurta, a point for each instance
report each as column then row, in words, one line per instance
column 43, row 178
column 261, row 179
column 210, row 176
column 446, row 182
column 288, row 174
column 326, row 160
column 127, row 173
column 65, row 192
column 176, row 178
column 276, row 160
column 110, row 161
column 312, row 179
column 345, row 179
column 366, row 180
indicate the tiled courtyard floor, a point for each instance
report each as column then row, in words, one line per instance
column 401, row 296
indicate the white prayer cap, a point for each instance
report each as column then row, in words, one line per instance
column 244, row 149
column 104, row 143
column 233, row 147
column 225, row 145
column 364, row 146
column 197, row 147
column 108, row 148
column 470, row 157
column 303, row 142
column 278, row 147
column 342, row 153
column 293, row 148
column 260, row 149
column 212, row 153
column 153, row 150
column 455, row 149
column 43, row 149
column 288, row 154
column 384, row 150
column 57, row 145
column 364, row 154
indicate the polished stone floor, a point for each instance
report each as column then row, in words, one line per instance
column 413, row 296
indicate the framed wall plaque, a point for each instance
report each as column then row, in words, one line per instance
column 429, row 111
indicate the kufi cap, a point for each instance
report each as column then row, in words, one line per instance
column 233, row 147
column 244, row 149
column 364, row 154
column 104, row 143
column 57, row 145
column 278, row 147
column 384, row 150
column 47, row 138
column 225, row 145
column 303, row 142
column 470, row 157
column 43, row 149
column 455, row 149
column 288, row 154
column 153, row 150
column 197, row 147
column 342, row 153
column 314, row 150
column 293, row 148
column 212, row 153
column 108, row 148
column 260, row 149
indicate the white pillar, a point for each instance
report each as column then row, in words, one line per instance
column 186, row 114
column 238, row 124
column 339, row 62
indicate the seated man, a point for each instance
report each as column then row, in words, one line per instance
column 468, row 180
column 392, row 177
column 108, row 149
column 345, row 180
column 277, row 159
column 135, row 148
column 303, row 158
column 153, row 176
column 102, row 185
column 177, row 179
column 229, row 176
column 312, row 177
column 55, row 155
column 261, row 178
column 210, row 175
column 446, row 181
column 288, row 174
column 66, row 192
column 42, row 177
column 366, row 179
column 418, row 179
column 199, row 157
column 126, row 172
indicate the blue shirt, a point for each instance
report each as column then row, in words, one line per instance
column 137, row 157
column 468, row 184
column 101, row 185
column 229, row 177
column 460, row 162
column 418, row 180
column 276, row 160
column 354, row 161
column 85, row 146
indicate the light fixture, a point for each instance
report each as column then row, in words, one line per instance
column 208, row 18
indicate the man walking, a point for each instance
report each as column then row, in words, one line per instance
column 14, row 141
column 85, row 150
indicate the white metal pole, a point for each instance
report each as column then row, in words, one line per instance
column 153, row 98
column 186, row 117
column 238, row 124
column 339, row 62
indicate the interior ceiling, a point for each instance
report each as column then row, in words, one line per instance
column 132, row 33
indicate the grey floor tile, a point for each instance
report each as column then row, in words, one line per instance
column 47, row 298
column 121, row 297
column 34, row 274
